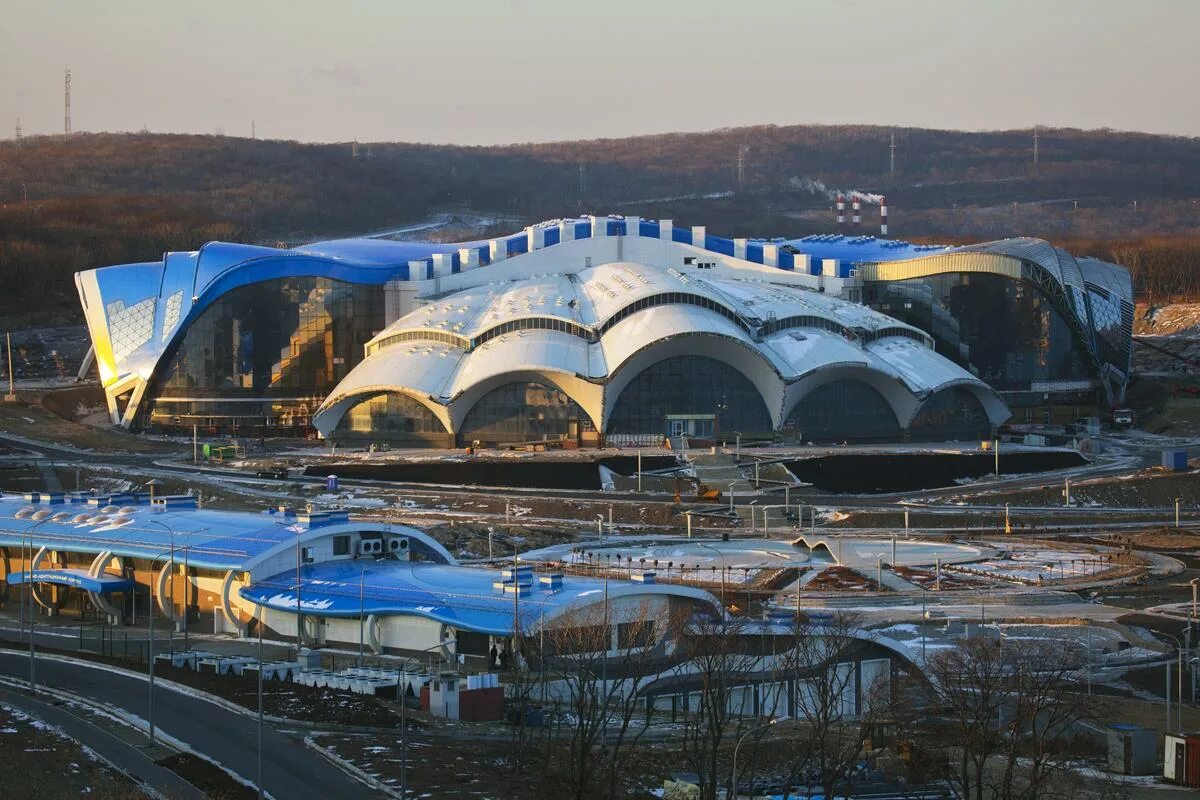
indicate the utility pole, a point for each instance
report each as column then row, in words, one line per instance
column 1035, row 147
column 253, row 132
column 67, row 104
column 11, row 397
column 892, row 150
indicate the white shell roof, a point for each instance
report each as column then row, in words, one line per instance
column 591, row 297
column 537, row 351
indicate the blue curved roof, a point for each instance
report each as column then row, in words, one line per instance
column 462, row 597
column 215, row 539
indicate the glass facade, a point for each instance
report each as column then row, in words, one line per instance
column 1112, row 345
column 1004, row 331
column 951, row 415
column 843, row 411
column 522, row 412
column 690, row 385
column 391, row 418
column 264, row 356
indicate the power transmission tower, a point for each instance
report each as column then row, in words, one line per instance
column 582, row 177
column 892, row 151
column 1035, row 147
column 18, row 134
column 67, row 104
column 741, row 164
column 253, row 132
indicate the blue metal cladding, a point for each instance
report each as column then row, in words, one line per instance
column 681, row 235
column 517, row 245
column 787, row 260
column 754, row 253
column 551, row 237
column 649, row 230
column 582, row 230
column 719, row 245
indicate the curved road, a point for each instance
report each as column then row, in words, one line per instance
column 290, row 770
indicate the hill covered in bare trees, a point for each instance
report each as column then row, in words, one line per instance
column 109, row 198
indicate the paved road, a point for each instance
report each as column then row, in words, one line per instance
column 290, row 770
column 127, row 757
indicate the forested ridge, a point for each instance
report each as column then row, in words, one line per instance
column 110, row 198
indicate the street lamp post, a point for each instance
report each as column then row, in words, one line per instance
column 1177, row 512
column 734, row 777
column 362, row 572
column 150, row 700
column 731, row 485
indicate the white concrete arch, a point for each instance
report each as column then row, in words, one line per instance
column 588, row 395
column 99, row 564
column 231, row 615
column 903, row 403
column 731, row 351
column 331, row 412
column 34, row 565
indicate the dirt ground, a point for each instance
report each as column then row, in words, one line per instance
column 29, row 417
column 1151, row 487
column 37, row 761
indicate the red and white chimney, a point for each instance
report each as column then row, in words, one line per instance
column 856, row 212
column 883, row 216
column 841, row 211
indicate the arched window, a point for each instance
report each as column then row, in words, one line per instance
column 389, row 417
column 951, row 415
column 692, row 387
column 517, row 412
column 843, row 411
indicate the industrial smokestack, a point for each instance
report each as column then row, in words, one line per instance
column 856, row 212
column 841, row 211
column 883, row 228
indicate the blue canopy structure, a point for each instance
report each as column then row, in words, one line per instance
column 74, row 578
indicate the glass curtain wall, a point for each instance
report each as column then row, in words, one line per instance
column 843, row 411
column 394, row 418
column 521, row 412
column 1004, row 331
column 690, row 385
column 951, row 415
column 263, row 356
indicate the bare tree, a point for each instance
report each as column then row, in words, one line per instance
column 720, row 662
column 1008, row 714
column 834, row 714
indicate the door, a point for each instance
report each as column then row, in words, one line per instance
column 678, row 427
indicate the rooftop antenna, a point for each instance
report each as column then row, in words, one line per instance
column 67, row 104
column 892, row 149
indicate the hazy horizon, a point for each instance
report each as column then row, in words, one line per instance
column 480, row 73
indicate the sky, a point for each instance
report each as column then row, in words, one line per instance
column 480, row 72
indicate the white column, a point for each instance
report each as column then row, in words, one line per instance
column 771, row 255
column 468, row 258
column 665, row 226
column 802, row 262
column 633, row 226
column 829, row 267
column 599, row 226
column 498, row 250
column 416, row 270
column 537, row 237
column 739, row 249
column 698, row 234
column 443, row 264
column 566, row 230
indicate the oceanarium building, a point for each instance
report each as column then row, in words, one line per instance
column 609, row 329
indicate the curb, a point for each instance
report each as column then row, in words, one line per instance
column 350, row 769
column 200, row 694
